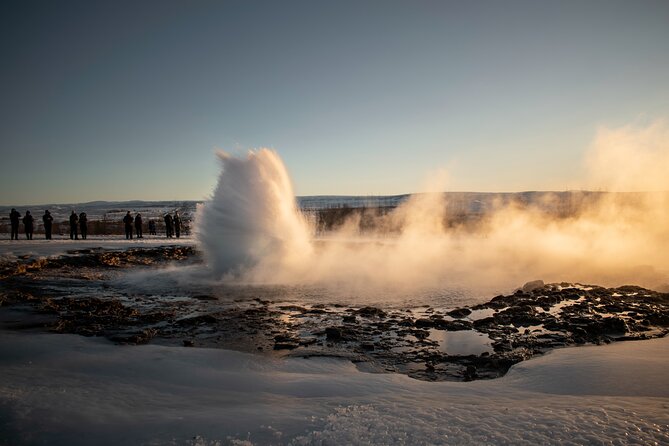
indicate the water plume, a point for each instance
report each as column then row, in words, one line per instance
column 252, row 230
column 251, row 220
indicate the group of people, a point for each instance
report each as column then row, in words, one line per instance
column 79, row 225
column 173, row 225
column 29, row 224
column 80, row 221
column 128, row 221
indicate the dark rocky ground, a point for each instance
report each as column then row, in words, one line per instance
column 78, row 293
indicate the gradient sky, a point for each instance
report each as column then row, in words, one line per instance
column 123, row 100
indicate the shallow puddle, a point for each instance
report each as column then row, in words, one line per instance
column 465, row 342
column 475, row 315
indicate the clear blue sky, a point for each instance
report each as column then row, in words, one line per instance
column 116, row 100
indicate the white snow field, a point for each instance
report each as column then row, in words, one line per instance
column 72, row 390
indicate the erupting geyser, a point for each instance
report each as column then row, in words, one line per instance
column 252, row 217
column 253, row 230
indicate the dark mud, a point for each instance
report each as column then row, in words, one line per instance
column 78, row 293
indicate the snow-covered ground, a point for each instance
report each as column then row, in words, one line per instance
column 71, row 390
column 13, row 249
column 64, row 389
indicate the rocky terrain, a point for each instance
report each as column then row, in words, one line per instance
column 77, row 293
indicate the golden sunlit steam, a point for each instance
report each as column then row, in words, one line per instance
column 600, row 238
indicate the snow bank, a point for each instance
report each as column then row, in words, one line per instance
column 73, row 390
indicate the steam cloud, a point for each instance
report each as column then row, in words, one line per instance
column 251, row 230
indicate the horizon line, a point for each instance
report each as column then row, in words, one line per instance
column 84, row 203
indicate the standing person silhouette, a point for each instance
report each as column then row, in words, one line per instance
column 83, row 225
column 168, row 225
column 48, row 221
column 28, row 224
column 177, row 223
column 138, row 225
column 152, row 227
column 14, row 217
column 128, row 225
column 74, row 223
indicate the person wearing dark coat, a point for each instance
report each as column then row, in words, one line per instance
column 152, row 227
column 48, row 221
column 176, row 222
column 168, row 225
column 74, row 223
column 138, row 225
column 128, row 225
column 14, row 218
column 83, row 225
column 28, row 223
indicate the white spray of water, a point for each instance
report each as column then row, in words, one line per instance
column 252, row 229
column 252, row 220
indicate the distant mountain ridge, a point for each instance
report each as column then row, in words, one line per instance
column 465, row 202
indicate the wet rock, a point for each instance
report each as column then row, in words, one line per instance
column 606, row 326
column 424, row 323
column 315, row 311
column 256, row 312
column 308, row 341
column 97, row 258
column 286, row 341
column 532, row 285
column 469, row 373
column 286, row 345
column 341, row 333
column 498, row 302
column 520, row 316
column 421, row 334
column 198, row 320
column 455, row 325
column 485, row 322
column 657, row 318
column 460, row 313
column 296, row 308
column 371, row 312
column 204, row 297
column 407, row 322
column 333, row 334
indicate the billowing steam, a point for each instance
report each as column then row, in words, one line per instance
column 252, row 229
